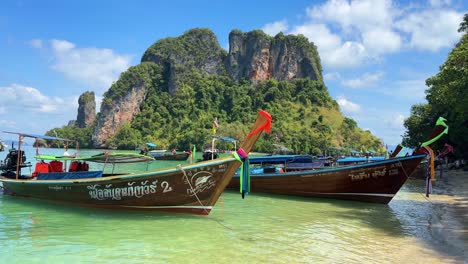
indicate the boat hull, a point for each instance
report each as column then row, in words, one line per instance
column 192, row 189
column 376, row 182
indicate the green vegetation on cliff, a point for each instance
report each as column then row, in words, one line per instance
column 306, row 118
column 187, row 87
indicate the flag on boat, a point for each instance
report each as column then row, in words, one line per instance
column 215, row 125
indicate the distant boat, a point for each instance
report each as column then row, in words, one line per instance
column 193, row 188
column 170, row 156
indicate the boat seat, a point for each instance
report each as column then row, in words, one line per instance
column 56, row 166
column 41, row 167
column 74, row 166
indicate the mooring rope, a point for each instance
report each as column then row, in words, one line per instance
column 403, row 169
column 191, row 187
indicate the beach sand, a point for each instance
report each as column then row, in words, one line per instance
column 449, row 222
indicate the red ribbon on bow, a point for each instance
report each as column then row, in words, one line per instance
column 266, row 126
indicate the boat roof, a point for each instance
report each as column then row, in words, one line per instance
column 38, row 136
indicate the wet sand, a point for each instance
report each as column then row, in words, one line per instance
column 448, row 225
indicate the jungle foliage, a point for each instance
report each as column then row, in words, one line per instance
column 305, row 118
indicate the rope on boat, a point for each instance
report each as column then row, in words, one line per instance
column 407, row 177
column 403, row 169
column 191, row 187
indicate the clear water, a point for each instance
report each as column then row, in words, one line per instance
column 258, row 229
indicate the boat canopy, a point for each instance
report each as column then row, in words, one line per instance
column 228, row 139
column 113, row 157
column 149, row 144
column 38, row 136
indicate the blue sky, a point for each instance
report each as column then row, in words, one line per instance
column 376, row 54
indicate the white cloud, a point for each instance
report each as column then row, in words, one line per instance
column 381, row 40
column 96, row 67
column 431, row 29
column 348, row 106
column 355, row 15
column 333, row 51
column 332, row 76
column 28, row 99
column 26, row 109
column 366, row 80
column 348, row 55
column 36, row 43
column 319, row 34
column 354, row 33
column 276, row 27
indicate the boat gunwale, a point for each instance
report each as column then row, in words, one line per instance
column 311, row 172
column 127, row 176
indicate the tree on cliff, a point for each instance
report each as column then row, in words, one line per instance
column 447, row 96
column 464, row 24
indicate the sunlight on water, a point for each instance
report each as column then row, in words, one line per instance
column 258, row 229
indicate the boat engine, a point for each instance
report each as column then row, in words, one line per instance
column 9, row 165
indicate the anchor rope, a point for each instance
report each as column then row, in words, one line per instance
column 191, row 187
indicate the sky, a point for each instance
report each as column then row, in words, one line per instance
column 375, row 54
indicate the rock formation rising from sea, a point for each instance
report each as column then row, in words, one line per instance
column 254, row 56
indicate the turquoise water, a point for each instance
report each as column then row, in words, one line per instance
column 258, row 229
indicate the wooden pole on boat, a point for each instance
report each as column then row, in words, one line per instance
column 18, row 158
column 263, row 122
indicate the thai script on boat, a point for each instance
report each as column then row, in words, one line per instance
column 59, row 188
column 99, row 192
column 375, row 173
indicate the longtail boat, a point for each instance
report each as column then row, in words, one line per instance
column 170, row 156
column 375, row 181
column 192, row 188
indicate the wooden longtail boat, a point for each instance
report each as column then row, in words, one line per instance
column 191, row 188
column 377, row 181
column 170, row 156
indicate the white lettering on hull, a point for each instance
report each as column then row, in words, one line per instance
column 132, row 190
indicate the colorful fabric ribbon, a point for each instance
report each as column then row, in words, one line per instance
column 440, row 129
column 266, row 126
column 430, row 171
column 244, row 176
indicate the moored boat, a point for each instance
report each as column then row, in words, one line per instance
column 376, row 182
column 170, row 156
column 191, row 188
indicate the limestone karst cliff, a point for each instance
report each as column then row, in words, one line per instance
column 252, row 55
column 259, row 57
column 86, row 110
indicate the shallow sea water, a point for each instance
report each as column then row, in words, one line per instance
column 258, row 229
